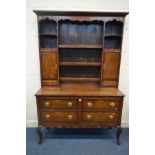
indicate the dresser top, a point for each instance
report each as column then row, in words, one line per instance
column 48, row 91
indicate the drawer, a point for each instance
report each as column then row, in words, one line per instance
column 59, row 116
column 52, row 103
column 99, row 117
column 98, row 104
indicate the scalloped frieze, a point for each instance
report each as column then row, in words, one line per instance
column 80, row 18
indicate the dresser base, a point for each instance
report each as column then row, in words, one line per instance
column 59, row 108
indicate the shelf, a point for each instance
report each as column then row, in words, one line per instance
column 48, row 49
column 48, row 34
column 78, row 79
column 113, row 35
column 80, row 46
column 80, row 63
column 112, row 50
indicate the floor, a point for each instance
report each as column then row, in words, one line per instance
column 77, row 142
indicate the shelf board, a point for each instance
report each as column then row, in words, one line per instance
column 48, row 49
column 80, row 46
column 112, row 50
column 78, row 79
column 113, row 35
column 48, row 34
column 80, row 63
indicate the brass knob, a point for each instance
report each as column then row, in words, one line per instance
column 89, row 104
column 80, row 99
column 47, row 116
column 59, row 126
column 69, row 104
column 89, row 116
column 112, row 104
column 70, row 117
column 47, row 104
column 111, row 116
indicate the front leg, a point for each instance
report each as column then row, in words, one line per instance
column 119, row 131
column 38, row 129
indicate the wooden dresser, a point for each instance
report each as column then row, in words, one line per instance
column 80, row 55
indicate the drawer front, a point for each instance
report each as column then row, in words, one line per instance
column 98, row 104
column 59, row 116
column 99, row 117
column 49, row 103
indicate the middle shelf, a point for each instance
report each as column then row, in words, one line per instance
column 80, row 46
column 87, row 57
column 80, row 63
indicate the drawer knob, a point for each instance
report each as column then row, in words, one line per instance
column 89, row 104
column 111, row 116
column 59, row 126
column 112, row 104
column 47, row 116
column 80, row 99
column 69, row 104
column 89, row 116
column 70, row 117
column 47, row 104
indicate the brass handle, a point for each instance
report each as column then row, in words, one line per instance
column 69, row 104
column 80, row 99
column 47, row 104
column 89, row 116
column 112, row 104
column 89, row 104
column 70, row 117
column 111, row 116
column 47, row 116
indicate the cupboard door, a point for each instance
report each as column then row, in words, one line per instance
column 49, row 65
column 111, row 69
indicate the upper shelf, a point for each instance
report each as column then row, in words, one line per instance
column 80, row 46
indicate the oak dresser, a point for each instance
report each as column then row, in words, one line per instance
column 80, row 54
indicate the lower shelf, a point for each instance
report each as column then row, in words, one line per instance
column 78, row 79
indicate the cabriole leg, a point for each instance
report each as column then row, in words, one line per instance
column 118, row 133
column 38, row 129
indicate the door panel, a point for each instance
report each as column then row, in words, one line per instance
column 111, row 68
column 49, row 65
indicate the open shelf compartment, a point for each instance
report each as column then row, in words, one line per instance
column 80, row 33
column 113, row 28
column 80, row 55
column 79, row 73
column 47, row 27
